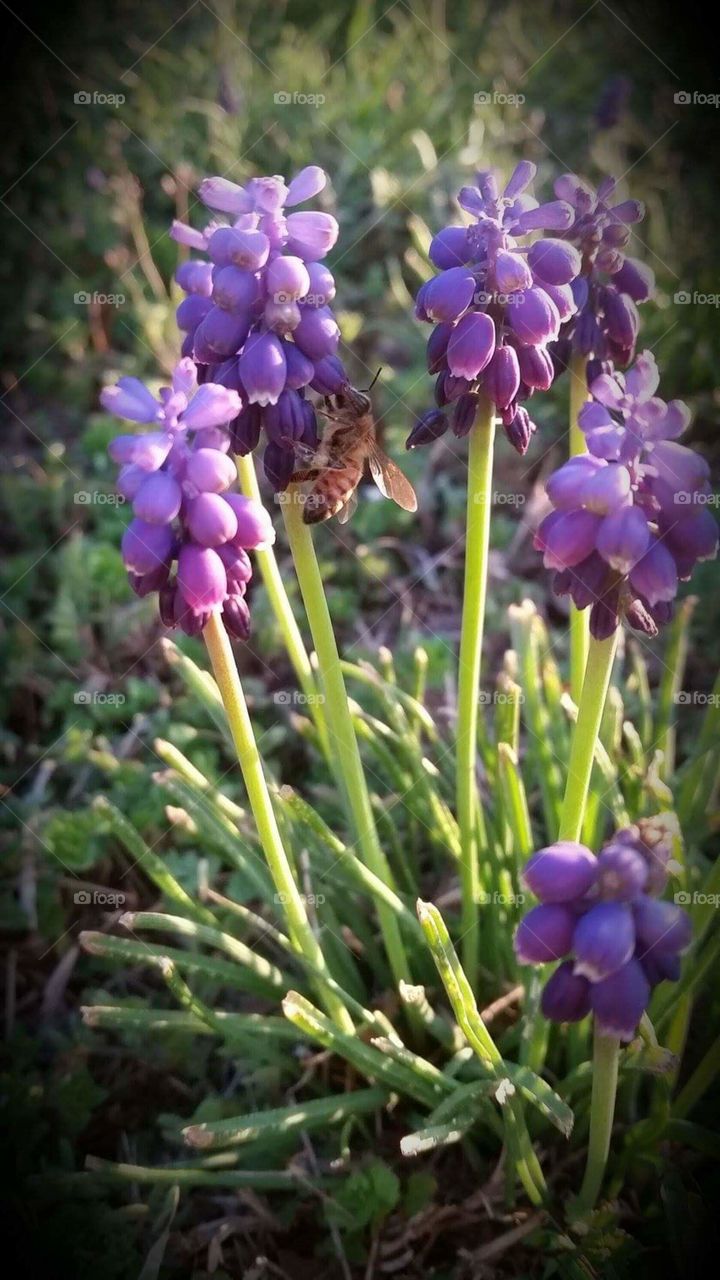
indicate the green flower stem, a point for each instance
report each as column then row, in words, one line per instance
column 579, row 618
column 226, row 675
column 344, row 741
column 480, row 460
column 602, row 1109
column 601, row 654
column 282, row 609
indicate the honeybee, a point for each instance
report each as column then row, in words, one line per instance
column 336, row 466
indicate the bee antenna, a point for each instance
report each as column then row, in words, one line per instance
column 377, row 375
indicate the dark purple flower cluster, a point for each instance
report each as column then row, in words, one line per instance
column 257, row 316
column 602, row 917
column 496, row 304
column 604, row 326
column 631, row 518
column 177, row 478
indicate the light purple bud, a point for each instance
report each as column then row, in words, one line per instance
column 211, row 406
column 533, row 316
column 321, row 290
column 286, row 279
column 191, row 312
column 604, row 940
column 636, row 279
column 211, row 520
column 554, row 261
column 501, row 379
column 570, row 539
column 129, row 480
column 221, row 334
column 145, row 547
column 268, row 193
column 224, row 196
column 536, row 367
column 544, row 934
column 565, row 486
column 262, row 368
column 556, row 215
column 620, row 1000
column 130, row 399
column 655, row 575
column 300, row 369
column 624, row 538
column 607, row 489
column 683, row 470
column 628, row 211
column 560, row 872
column 566, row 996
column 661, row 927
column 563, row 298
column 450, row 248
column 282, row 317
column 520, row 179
column 311, row 235
column 622, row 873
column 449, row 294
column 210, row 470
column 235, row 289
column 158, row 499
column 195, row 276
column 201, row 578
column 512, row 272
column 147, row 451
column 255, row 528
column 230, row 246
column 306, row 184
column 181, row 233
column 237, row 567
column 471, row 344
column 317, row 334
column 575, row 190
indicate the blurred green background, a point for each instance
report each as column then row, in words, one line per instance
column 113, row 115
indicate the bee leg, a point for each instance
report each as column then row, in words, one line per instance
column 299, row 477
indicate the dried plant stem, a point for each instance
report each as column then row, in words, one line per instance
column 288, row 894
column 480, row 461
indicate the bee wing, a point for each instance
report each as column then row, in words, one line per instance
column 390, row 480
column 345, row 512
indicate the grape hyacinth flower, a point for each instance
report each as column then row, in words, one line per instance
column 609, row 286
column 190, row 536
column 496, row 304
column 257, row 316
column 602, row 919
column 630, row 518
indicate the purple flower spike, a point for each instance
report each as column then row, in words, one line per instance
column 566, row 996
column 158, row 498
column 287, row 279
column 536, row 367
column 211, row 520
column 604, row 940
column 317, row 334
column 430, row 426
column 321, row 290
column 450, row 248
column 209, row 470
column 655, row 575
column 620, row 1000
column 512, row 272
column 471, row 345
column 201, row 578
column 533, row 316
column 571, row 479
column 624, row 538
column 262, row 368
column 622, row 873
column 501, row 379
column 232, row 246
column 224, row 196
column 569, row 539
column 311, row 235
column 662, row 927
column 130, row 399
column 307, row 183
column 544, row 934
column 561, row 872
